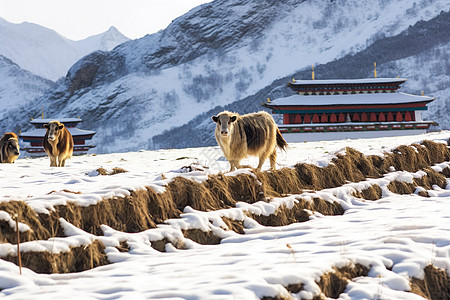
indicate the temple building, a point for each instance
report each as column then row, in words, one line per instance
column 35, row 136
column 349, row 108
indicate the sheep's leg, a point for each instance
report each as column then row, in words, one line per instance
column 53, row 161
column 273, row 159
column 262, row 159
column 234, row 164
column 62, row 161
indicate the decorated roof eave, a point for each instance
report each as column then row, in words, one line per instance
column 62, row 120
column 278, row 106
column 347, row 81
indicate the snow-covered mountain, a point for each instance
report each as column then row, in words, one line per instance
column 18, row 87
column 46, row 53
column 236, row 53
column 421, row 56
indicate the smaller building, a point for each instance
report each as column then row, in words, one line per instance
column 35, row 136
column 349, row 108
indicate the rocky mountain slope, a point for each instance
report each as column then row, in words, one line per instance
column 18, row 87
column 234, row 54
column 46, row 53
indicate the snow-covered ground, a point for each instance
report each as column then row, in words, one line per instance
column 397, row 236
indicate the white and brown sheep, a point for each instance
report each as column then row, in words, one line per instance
column 9, row 148
column 253, row 134
column 58, row 143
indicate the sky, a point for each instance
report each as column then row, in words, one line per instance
column 79, row 19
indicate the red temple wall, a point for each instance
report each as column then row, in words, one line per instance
column 399, row 116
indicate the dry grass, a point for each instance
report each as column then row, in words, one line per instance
column 332, row 284
column 354, row 166
column 446, row 172
column 431, row 178
column 123, row 247
column 234, row 225
column 77, row 260
column 202, row 237
column 116, row 170
column 277, row 298
column 373, row 192
column 416, row 157
column 299, row 212
column 141, row 210
column 280, row 182
column 184, row 192
column 427, row 181
column 145, row 209
column 435, row 285
column 160, row 245
column 25, row 215
column 401, row 187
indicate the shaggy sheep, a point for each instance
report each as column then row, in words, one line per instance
column 253, row 134
column 58, row 143
column 9, row 148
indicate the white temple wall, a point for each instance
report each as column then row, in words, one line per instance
column 418, row 115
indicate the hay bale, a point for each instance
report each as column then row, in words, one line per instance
column 234, row 225
column 137, row 212
column 160, row 245
column 282, row 217
column 299, row 212
column 246, row 188
column 401, row 187
column 435, row 285
column 446, row 172
column 280, row 182
column 184, row 192
column 202, row 237
column 218, row 187
column 438, row 152
column 114, row 171
column 433, row 178
column 26, row 215
column 334, row 283
column 360, row 165
column 310, row 176
column 373, row 192
column 76, row 260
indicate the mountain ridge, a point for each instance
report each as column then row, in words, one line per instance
column 47, row 53
column 17, row 88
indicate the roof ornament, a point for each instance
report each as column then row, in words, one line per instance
column 293, row 80
column 312, row 72
column 42, row 114
column 268, row 99
column 375, row 69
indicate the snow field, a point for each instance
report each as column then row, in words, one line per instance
column 396, row 236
